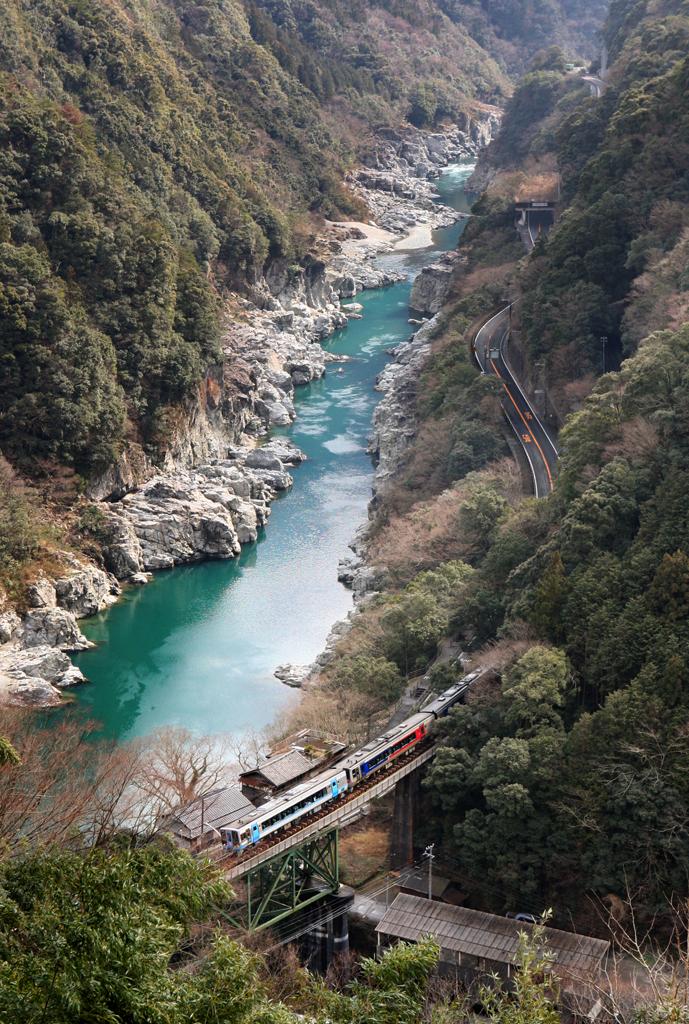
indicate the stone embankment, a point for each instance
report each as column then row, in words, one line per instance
column 212, row 488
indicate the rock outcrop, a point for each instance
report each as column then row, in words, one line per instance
column 483, row 173
column 396, row 181
column 394, row 419
column 431, row 286
column 293, row 675
column 34, row 665
column 208, row 512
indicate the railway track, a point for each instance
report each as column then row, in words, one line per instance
column 284, row 836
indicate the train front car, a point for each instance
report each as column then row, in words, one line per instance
column 286, row 809
column 235, row 839
column 441, row 705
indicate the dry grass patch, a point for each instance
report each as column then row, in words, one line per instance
column 429, row 532
column 365, row 845
column 482, row 277
column 500, row 654
column 422, row 537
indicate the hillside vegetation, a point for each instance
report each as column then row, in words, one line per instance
column 564, row 783
column 96, row 926
column 154, row 155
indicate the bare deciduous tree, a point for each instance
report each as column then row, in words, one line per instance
column 177, row 767
column 70, row 789
column 249, row 749
column 645, row 979
column 62, row 784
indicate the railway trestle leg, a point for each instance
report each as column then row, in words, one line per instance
column 289, row 882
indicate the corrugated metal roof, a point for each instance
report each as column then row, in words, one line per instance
column 277, row 771
column 220, row 807
column 488, row 936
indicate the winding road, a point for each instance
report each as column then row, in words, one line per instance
column 539, row 449
column 595, row 84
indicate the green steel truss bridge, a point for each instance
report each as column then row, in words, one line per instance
column 286, row 873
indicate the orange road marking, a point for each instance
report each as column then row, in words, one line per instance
column 523, row 419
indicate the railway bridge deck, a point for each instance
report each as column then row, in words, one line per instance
column 235, row 866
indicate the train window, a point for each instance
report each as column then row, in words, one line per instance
column 384, row 754
column 303, row 805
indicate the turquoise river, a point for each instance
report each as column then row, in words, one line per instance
column 197, row 647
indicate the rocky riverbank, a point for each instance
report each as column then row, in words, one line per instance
column 394, row 421
column 212, row 488
column 396, row 181
column 34, row 663
column 391, row 170
column 432, row 285
column 394, row 429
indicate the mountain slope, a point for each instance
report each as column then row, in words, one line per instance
column 155, row 154
column 566, row 778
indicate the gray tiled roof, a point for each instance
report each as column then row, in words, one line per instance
column 483, row 935
column 220, row 807
column 284, row 768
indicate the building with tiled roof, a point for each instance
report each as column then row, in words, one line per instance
column 484, row 943
column 199, row 823
column 276, row 772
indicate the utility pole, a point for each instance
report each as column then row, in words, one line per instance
column 428, row 852
column 604, row 342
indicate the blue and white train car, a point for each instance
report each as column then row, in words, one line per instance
column 301, row 800
column 285, row 809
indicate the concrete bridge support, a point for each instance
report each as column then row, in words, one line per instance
column 403, row 815
column 329, row 937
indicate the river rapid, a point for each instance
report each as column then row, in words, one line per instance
column 197, row 647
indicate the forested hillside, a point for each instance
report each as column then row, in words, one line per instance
column 154, row 155
column 614, row 266
column 565, row 782
column 571, row 774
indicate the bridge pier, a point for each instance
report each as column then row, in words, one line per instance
column 317, row 947
column 402, row 838
column 329, row 937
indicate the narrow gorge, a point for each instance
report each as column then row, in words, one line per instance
column 198, row 645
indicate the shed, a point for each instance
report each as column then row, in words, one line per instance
column 274, row 773
column 484, row 942
column 201, row 820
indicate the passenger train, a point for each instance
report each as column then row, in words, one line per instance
column 343, row 776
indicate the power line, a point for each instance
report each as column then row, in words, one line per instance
column 314, row 916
